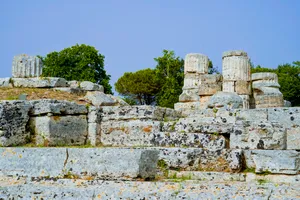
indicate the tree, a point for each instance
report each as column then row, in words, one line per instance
column 141, row 86
column 79, row 62
column 288, row 79
column 212, row 69
column 170, row 75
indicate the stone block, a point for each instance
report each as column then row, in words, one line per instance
column 287, row 103
column 227, row 100
column 59, row 130
column 45, row 82
column 13, row 120
column 57, row 107
column 210, row 78
column 265, row 83
column 119, row 100
column 264, row 76
column 191, row 81
column 70, row 90
column 196, row 63
column 209, row 88
column 138, row 112
column 289, row 117
column 293, row 138
column 234, row 53
column 273, row 161
column 203, row 101
column 89, row 86
column 190, row 95
column 187, row 108
column 243, row 87
column 212, row 125
column 74, row 84
column 258, row 135
column 104, row 163
column 5, row 82
column 25, row 66
column 252, row 114
column 94, row 134
column 98, row 98
column 266, row 97
column 228, row 86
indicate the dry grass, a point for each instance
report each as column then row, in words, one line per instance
column 39, row 93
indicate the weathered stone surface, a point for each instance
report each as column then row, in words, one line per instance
column 289, row 117
column 273, row 178
column 188, row 107
column 209, row 88
column 264, row 76
column 13, row 119
column 258, row 135
column 227, row 100
column 5, row 82
column 265, row 83
column 89, row 86
column 45, row 82
column 210, row 78
column 287, row 103
column 59, row 130
column 243, row 87
column 105, row 163
column 275, row 162
column 197, row 159
column 235, row 66
column 74, row 84
column 207, row 176
column 190, row 95
column 213, row 125
column 98, row 98
column 252, row 114
column 94, row 134
column 203, row 101
column 191, row 81
column 57, row 107
column 25, row 66
column 70, row 90
column 138, row 112
column 119, row 100
column 196, row 63
column 246, row 101
column 293, row 138
column 97, row 189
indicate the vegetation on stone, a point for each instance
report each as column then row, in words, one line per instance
column 79, row 62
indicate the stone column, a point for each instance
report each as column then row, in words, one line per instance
column 237, row 74
column 194, row 66
column 25, row 66
column 266, row 90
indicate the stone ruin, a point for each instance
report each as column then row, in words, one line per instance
column 214, row 148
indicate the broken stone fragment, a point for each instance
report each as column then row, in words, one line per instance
column 227, row 100
column 40, row 82
column 89, row 86
column 98, row 98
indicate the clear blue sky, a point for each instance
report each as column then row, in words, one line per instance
column 131, row 33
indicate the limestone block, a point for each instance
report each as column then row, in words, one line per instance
column 13, row 120
column 293, row 138
column 162, row 190
column 59, row 130
column 70, row 90
column 196, row 63
column 258, row 135
column 57, row 107
column 264, row 76
column 243, row 87
column 210, row 88
column 119, row 100
column 89, row 86
column 265, row 83
column 289, row 117
column 228, row 86
column 275, row 161
column 252, row 114
column 208, row 176
column 141, row 112
column 235, row 66
column 104, row 163
column 273, row 178
column 187, row 108
column 94, row 114
column 190, row 95
column 212, row 125
column 266, row 97
column 210, row 78
column 74, row 84
column 227, row 100
column 191, row 81
column 98, row 98
column 25, row 66
column 45, row 82
column 94, row 134
column 5, row 82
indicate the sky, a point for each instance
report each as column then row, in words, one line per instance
column 130, row 34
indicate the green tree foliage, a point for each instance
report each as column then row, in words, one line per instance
column 288, row 78
column 170, row 75
column 140, row 86
column 212, row 69
column 79, row 62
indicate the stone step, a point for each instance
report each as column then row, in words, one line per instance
column 104, row 163
column 97, row 189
